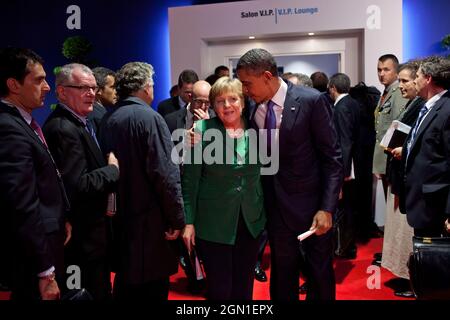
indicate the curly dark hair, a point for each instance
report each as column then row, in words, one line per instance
column 132, row 77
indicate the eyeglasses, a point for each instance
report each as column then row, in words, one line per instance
column 83, row 89
column 200, row 102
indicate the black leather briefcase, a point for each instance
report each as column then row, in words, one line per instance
column 429, row 268
column 77, row 295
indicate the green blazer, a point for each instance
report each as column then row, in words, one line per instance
column 215, row 193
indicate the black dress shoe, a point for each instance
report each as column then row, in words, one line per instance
column 303, row 288
column 183, row 263
column 196, row 286
column 348, row 254
column 376, row 262
column 377, row 234
column 4, row 288
column 405, row 294
column 260, row 274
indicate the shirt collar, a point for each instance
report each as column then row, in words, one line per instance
column 280, row 95
column 432, row 101
column 25, row 115
column 389, row 87
column 340, row 97
column 181, row 102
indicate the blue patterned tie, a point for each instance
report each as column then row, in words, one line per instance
column 91, row 131
column 270, row 123
column 422, row 114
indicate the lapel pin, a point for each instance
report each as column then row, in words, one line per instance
column 292, row 108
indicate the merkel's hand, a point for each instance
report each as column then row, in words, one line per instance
column 447, row 225
column 322, row 222
column 192, row 137
column 189, row 236
column 172, row 234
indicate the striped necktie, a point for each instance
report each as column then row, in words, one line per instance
column 91, row 131
column 422, row 114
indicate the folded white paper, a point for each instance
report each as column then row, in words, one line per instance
column 306, row 234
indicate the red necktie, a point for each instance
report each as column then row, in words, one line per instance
column 35, row 126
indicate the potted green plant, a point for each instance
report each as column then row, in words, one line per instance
column 76, row 49
column 446, row 43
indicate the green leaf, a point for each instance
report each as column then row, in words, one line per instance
column 446, row 42
column 76, row 48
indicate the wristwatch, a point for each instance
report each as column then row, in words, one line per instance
column 50, row 277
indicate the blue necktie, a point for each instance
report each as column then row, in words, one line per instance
column 270, row 123
column 91, row 131
column 422, row 114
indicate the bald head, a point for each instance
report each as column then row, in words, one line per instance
column 201, row 89
column 200, row 96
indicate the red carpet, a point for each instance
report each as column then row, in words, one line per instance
column 351, row 278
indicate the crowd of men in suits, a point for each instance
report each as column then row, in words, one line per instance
column 96, row 186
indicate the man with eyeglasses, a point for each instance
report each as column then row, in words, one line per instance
column 196, row 110
column 88, row 177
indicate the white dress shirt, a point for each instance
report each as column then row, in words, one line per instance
column 278, row 100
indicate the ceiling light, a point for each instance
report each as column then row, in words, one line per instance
column 251, row 37
column 310, row 33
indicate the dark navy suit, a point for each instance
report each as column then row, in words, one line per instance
column 309, row 179
column 427, row 174
column 33, row 205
